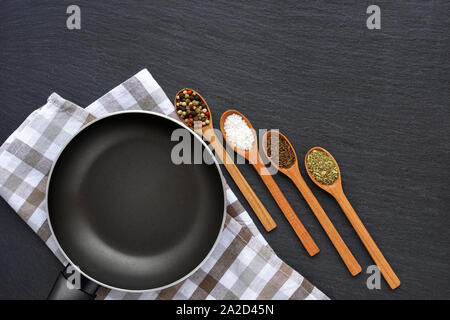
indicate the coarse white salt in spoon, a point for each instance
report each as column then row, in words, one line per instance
column 238, row 132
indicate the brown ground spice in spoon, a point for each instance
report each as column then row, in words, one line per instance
column 281, row 154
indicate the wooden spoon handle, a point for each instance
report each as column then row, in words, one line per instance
column 372, row 248
column 306, row 239
column 345, row 253
column 252, row 199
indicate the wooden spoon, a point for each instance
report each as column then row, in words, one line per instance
column 293, row 173
column 337, row 192
column 255, row 159
column 207, row 132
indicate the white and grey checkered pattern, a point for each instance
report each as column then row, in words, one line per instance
column 242, row 266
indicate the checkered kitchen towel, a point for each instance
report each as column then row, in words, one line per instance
column 242, row 266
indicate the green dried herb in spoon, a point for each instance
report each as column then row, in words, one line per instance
column 322, row 167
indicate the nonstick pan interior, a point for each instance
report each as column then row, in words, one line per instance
column 123, row 213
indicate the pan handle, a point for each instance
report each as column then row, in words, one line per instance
column 62, row 287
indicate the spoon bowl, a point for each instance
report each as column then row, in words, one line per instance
column 294, row 166
column 205, row 127
column 247, row 154
column 330, row 188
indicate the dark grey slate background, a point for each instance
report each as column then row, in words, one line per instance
column 377, row 100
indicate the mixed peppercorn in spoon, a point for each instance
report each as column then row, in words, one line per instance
column 192, row 110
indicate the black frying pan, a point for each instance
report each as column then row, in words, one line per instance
column 124, row 214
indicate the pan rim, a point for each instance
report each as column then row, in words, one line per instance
column 219, row 234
